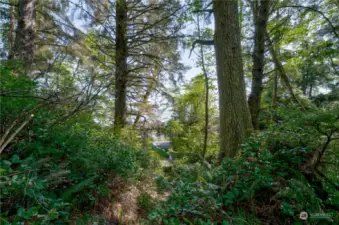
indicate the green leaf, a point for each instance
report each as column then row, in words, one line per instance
column 225, row 222
column 33, row 211
column 21, row 212
column 15, row 159
column 187, row 221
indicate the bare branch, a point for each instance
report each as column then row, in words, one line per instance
column 201, row 42
column 3, row 138
column 15, row 133
column 210, row 11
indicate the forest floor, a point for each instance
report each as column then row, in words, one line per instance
column 121, row 207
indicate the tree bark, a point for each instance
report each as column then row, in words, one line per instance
column 235, row 122
column 206, row 102
column 206, row 81
column 25, row 36
column 11, row 35
column 206, row 99
column 260, row 15
column 121, row 72
column 276, row 75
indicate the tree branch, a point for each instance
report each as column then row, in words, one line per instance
column 3, row 138
column 314, row 10
column 2, row 147
column 210, row 11
column 201, row 42
column 9, row 3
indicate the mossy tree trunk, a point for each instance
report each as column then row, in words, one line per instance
column 25, row 35
column 260, row 15
column 235, row 122
column 121, row 72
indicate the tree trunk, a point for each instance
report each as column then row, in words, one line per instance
column 11, row 35
column 121, row 72
column 260, row 15
column 235, row 122
column 25, row 36
column 310, row 91
column 276, row 75
column 203, row 67
column 282, row 72
column 275, row 89
column 206, row 102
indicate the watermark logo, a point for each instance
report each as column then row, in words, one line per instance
column 316, row 216
column 303, row 215
column 322, row 216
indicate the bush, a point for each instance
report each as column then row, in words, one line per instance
column 258, row 187
column 55, row 173
column 50, row 172
column 145, row 202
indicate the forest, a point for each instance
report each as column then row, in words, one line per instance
column 169, row 112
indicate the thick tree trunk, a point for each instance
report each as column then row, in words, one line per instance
column 260, row 15
column 25, row 36
column 235, row 122
column 121, row 72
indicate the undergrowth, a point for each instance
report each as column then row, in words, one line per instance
column 268, row 183
column 55, row 173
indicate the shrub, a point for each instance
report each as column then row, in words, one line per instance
column 258, row 187
column 145, row 202
column 50, row 172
